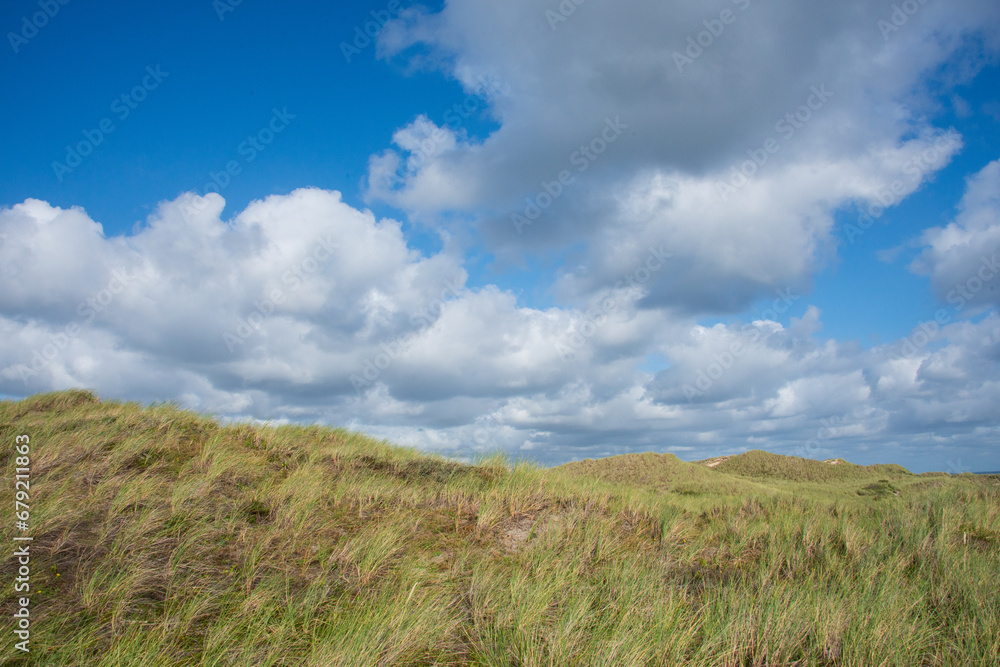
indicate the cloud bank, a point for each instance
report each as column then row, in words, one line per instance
column 304, row 308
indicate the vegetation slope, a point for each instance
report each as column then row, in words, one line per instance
column 164, row 538
column 765, row 465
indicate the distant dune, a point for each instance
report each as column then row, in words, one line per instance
column 725, row 474
column 760, row 464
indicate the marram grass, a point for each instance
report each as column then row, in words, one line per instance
column 163, row 538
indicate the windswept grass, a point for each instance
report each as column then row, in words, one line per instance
column 756, row 464
column 660, row 472
column 163, row 538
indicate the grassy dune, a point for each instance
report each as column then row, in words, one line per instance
column 163, row 538
column 764, row 465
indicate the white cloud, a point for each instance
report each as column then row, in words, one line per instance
column 452, row 369
column 962, row 257
column 832, row 105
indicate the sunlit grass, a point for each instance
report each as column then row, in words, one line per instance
column 163, row 538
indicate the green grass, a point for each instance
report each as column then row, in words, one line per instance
column 164, row 538
column 756, row 464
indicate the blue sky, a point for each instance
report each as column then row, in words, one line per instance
column 504, row 227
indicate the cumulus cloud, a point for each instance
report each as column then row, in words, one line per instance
column 745, row 127
column 276, row 296
column 298, row 307
column 304, row 308
column 801, row 394
column 962, row 257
